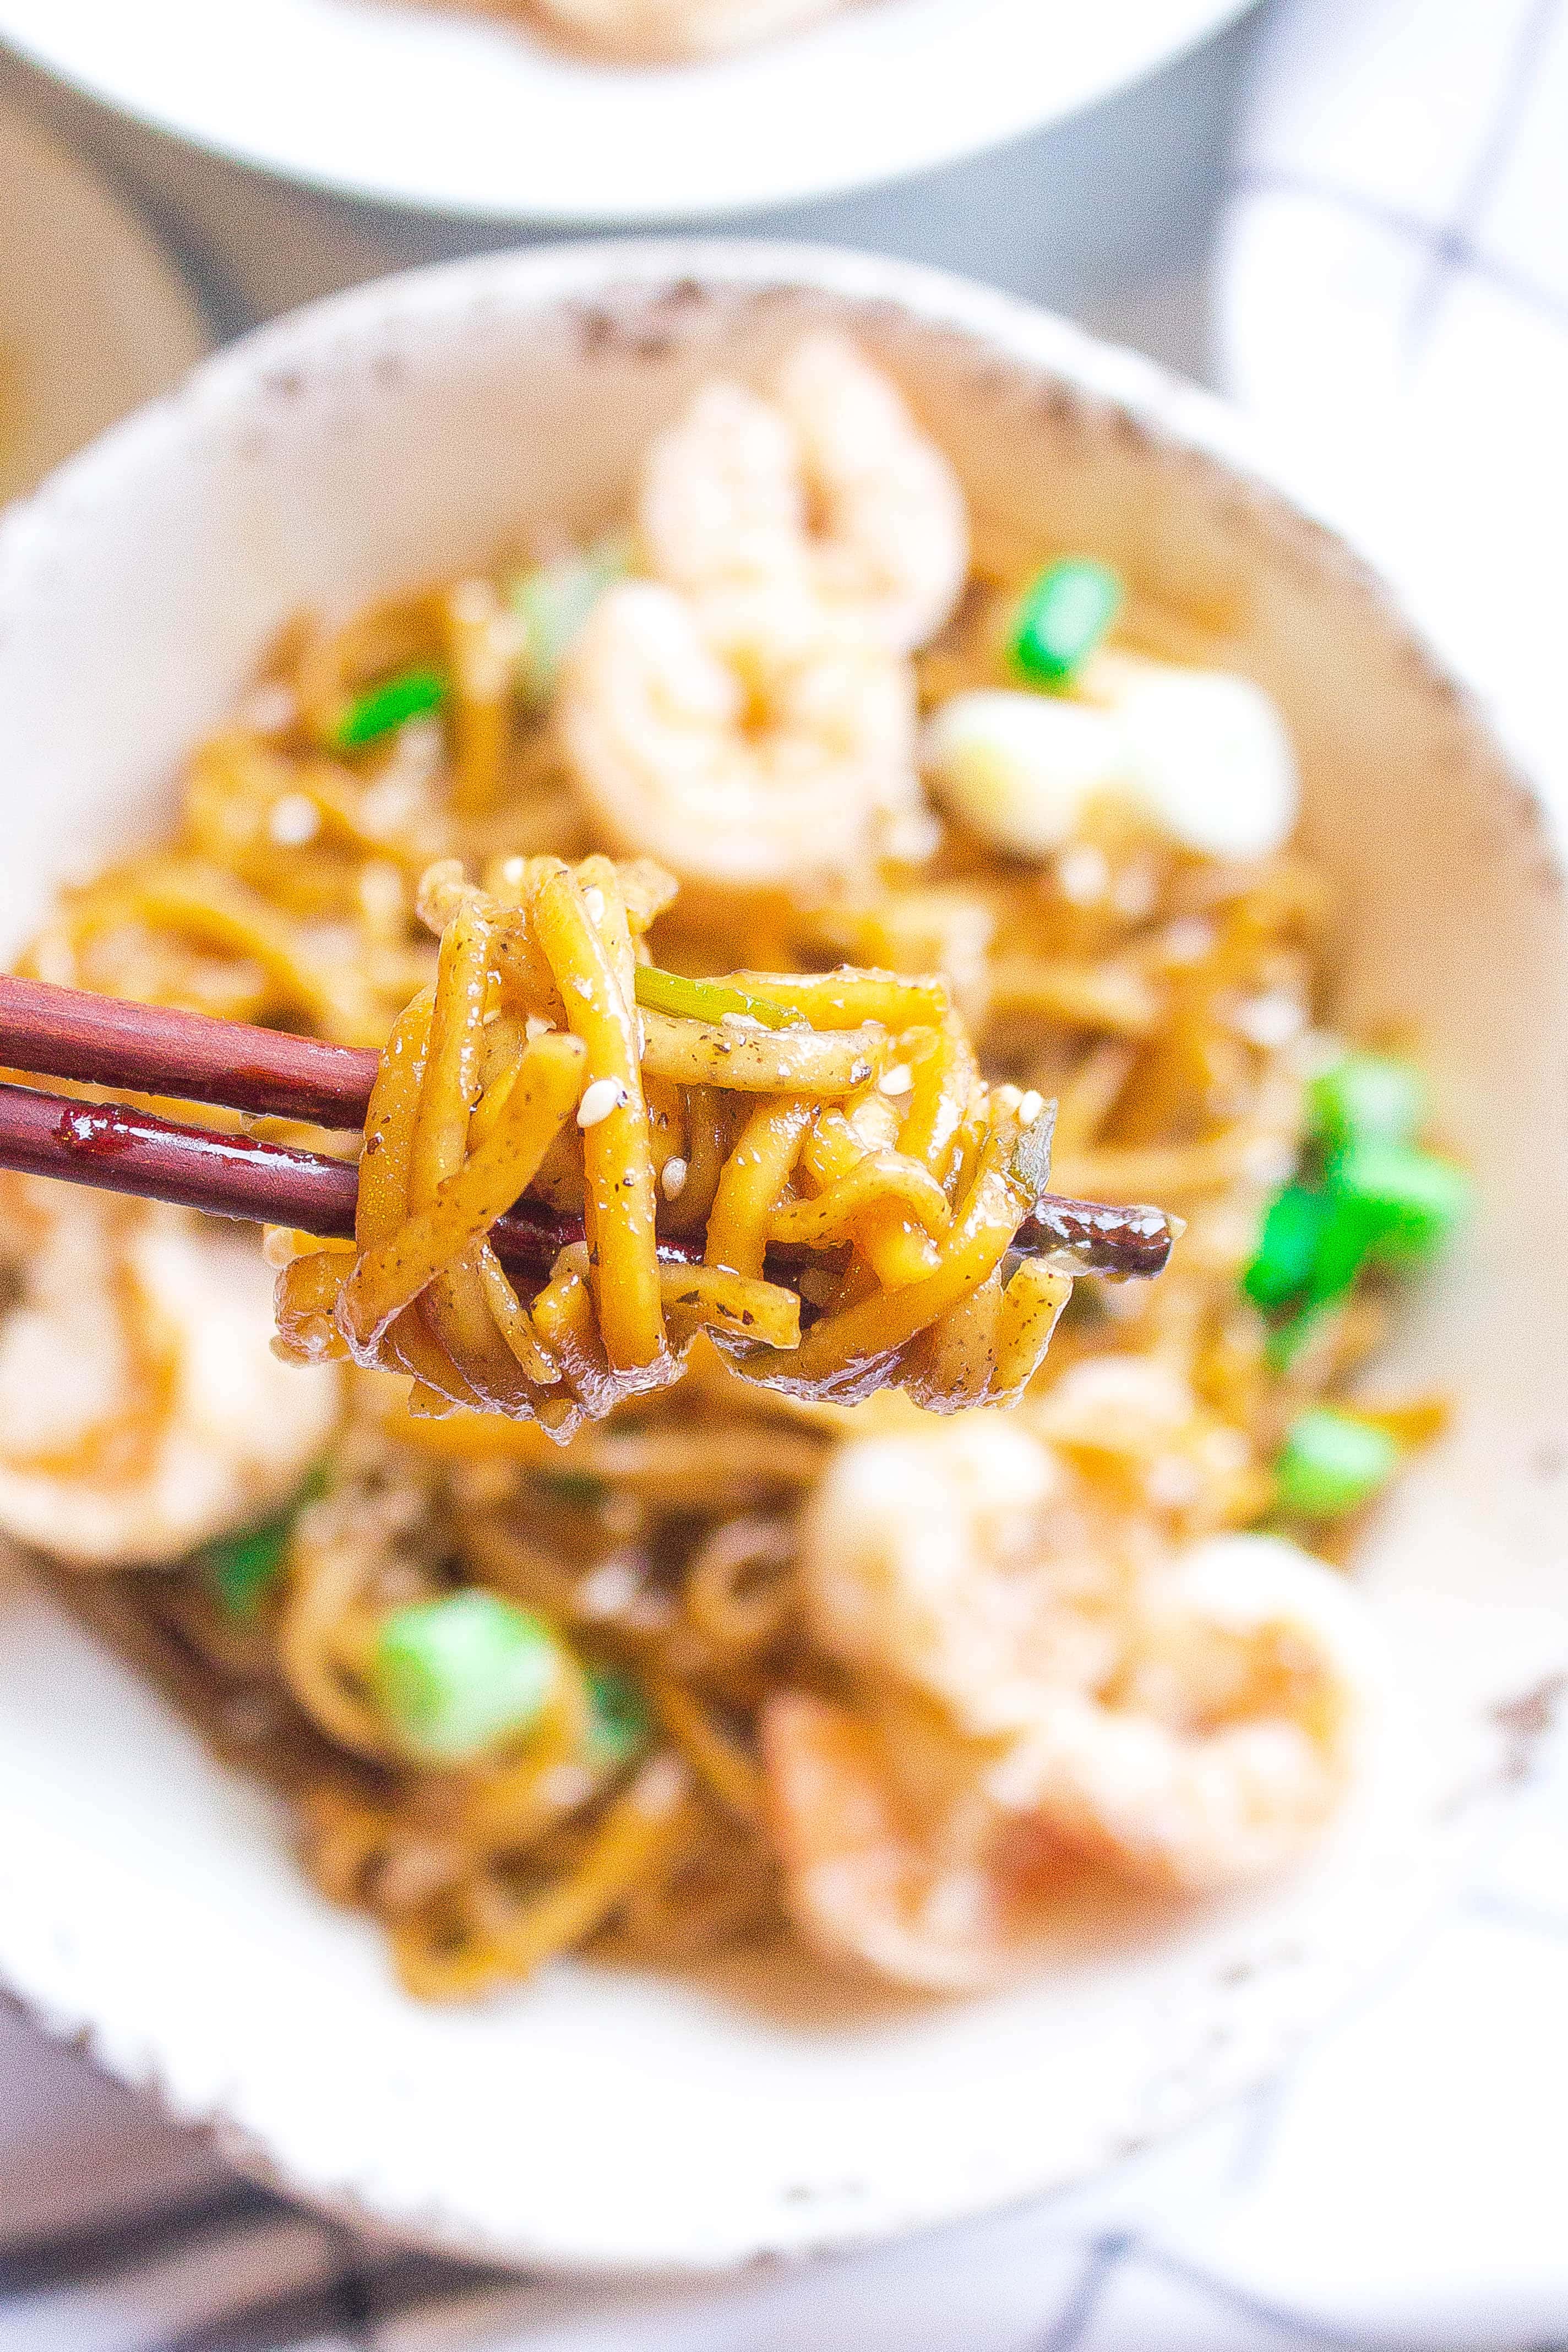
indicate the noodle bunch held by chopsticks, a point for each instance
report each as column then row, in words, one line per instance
column 841, row 1118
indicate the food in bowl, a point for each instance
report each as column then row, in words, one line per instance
column 739, row 1660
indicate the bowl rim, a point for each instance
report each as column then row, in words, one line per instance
column 1169, row 412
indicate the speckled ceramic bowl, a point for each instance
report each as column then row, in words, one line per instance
column 600, row 2118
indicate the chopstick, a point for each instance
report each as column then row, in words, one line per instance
column 66, row 1033
column 118, row 1149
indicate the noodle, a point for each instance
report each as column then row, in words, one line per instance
column 851, row 1154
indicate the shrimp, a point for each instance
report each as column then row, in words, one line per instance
column 964, row 1562
column 1231, row 1734
column 912, row 1874
column 731, row 493
column 142, row 1410
column 784, row 758
column 1187, row 1721
column 678, row 28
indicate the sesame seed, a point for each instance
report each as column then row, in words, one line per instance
column 672, row 1177
column 1083, row 873
column 1272, row 1019
column 594, row 902
column 1031, row 1107
column 536, row 1025
column 293, row 820
column 277, row 1245
column 608, row 1588
column 600, row 1099
column 899, row 1080
column 512, row 873
column 1188, row 940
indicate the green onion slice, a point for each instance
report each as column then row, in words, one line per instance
column 707, row 1000
column 1062, row 617
column 619, row 1723
column 1288, row 1247
column 1409, row 1202
column 241, row 1571
column 553, row 601
column 390, row 706
column 463, row 1675
column 1366, row 1098
column 1332, row 1463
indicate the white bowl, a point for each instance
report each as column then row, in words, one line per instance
column 392, row 100
column 597, row 2118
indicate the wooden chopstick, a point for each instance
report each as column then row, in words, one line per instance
column 119, row 1150
column 67, row 1033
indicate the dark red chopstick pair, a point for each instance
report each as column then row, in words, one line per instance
column 64, row 1033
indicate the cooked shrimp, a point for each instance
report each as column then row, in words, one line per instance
column 1228, row 1737
column 829, row 489
column 964, row 1562
column 911, row 1881
column 676, row 28
column 788, row 762
column 141, row 1409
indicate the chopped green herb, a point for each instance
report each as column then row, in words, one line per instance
column 706, row 1000
column 1366, row 1098
column 619, row 1723
column 580, row 1488
column 242, row 1570
column 553, row 601
column 389, row 705
column 463, row 1675
column 1332, row 1463
column 1287, row 1246
column 1062, row 616
column 1408, row 1201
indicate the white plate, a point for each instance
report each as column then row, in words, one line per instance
column 425, row 108
column 93, row 318
column 604, row 2117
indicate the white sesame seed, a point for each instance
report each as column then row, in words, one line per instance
column 1188, row 940
column 277, row 1245
column 672, row 1177
column 608, row 1588
column 899, row 1080
column 594, row 902
column 565, row 1786
column 739, row 1021
column 600, row 1099
column 293, row 820
column 512, row 873
column 1031, row 1107
column 1083, row 873
column 1133, row 895
column 1272, row 1019
column 536, row 1025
